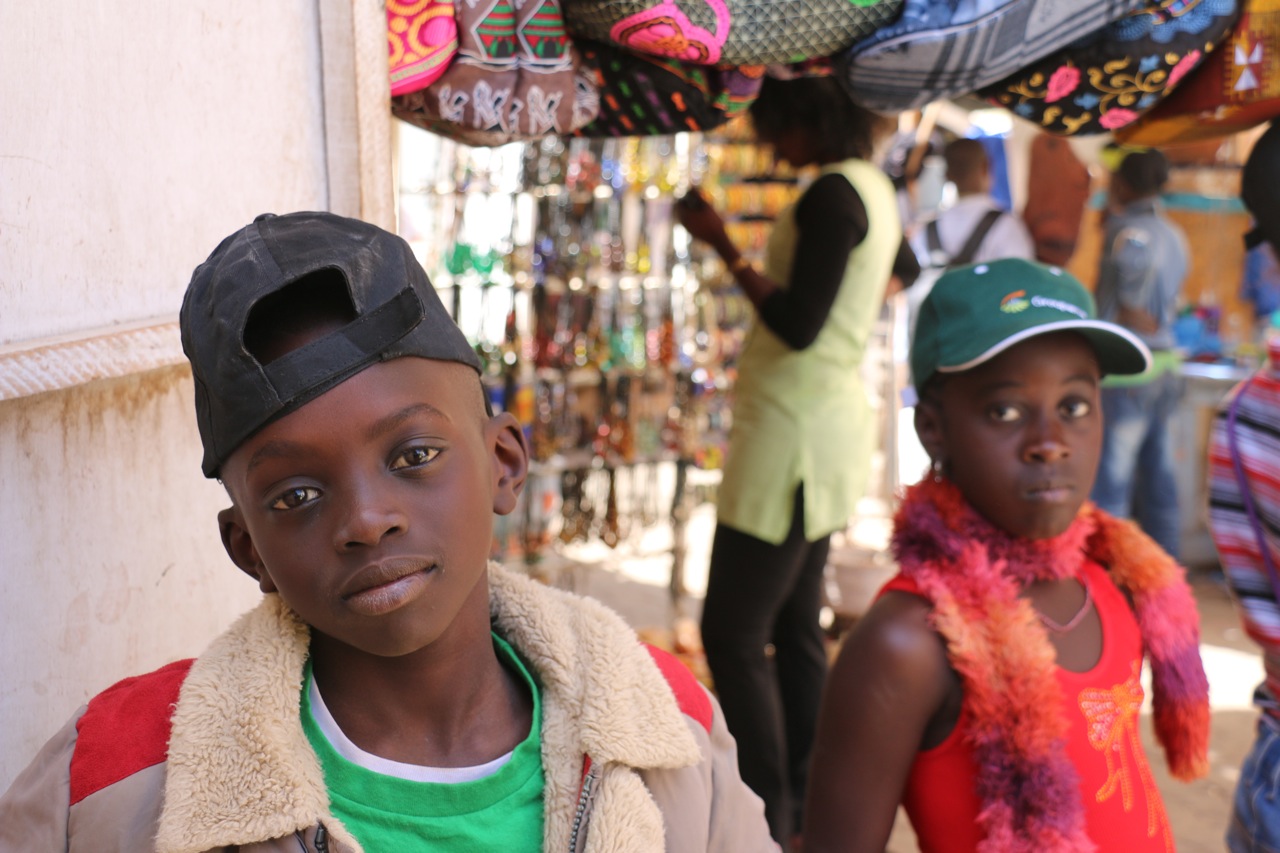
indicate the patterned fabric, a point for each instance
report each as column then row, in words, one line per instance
column 821, row 66
column 516, row 76
column 943, row 48
column 1236, row 88
column 1108, row 79
column 646, row 95
column 733, row 32
column 973, row 572
column 422, row 37
column 1257, row 433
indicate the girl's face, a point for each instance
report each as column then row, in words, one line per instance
column 1020, row 435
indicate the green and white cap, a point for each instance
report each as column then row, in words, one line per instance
column 976, row 312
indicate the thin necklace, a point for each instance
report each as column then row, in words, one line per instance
column 1070, row 624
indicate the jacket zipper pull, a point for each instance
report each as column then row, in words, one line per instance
column 582, row 812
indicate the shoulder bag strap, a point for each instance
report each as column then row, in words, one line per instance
column 937, row 255
column 979, row 234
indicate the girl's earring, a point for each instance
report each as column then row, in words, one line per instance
column 936, row 466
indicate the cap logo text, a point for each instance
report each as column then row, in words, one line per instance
column 1046, row 302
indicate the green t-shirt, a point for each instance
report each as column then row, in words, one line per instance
column 501, row 811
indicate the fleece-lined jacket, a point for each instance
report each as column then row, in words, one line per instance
column 210, row 755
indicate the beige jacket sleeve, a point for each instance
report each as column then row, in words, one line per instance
column 707, row 807
column 33, row 812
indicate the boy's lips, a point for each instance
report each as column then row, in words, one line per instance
column 383, row 586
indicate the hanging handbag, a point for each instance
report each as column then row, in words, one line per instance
column 943, row 48
column 422, row 38
column 516, row 76
column 1237, row 88
column 1106, row 80
column 1057, row 192
column 650, row 96
column 730, row 32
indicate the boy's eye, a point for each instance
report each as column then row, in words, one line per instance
column 1004, row 414
column 1077, row 408
column 414, row 457
column 294, row 498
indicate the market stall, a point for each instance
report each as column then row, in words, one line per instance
column 560, row 134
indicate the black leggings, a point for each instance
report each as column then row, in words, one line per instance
column 760, row 594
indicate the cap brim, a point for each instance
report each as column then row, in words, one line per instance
column 1120, row 352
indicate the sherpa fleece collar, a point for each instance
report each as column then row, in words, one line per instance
column 240, row 769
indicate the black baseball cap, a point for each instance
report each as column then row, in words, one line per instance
column 398, row 313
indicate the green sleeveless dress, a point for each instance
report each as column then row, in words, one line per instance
column 802, row 416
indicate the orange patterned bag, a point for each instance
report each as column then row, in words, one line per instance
column 1236, row 88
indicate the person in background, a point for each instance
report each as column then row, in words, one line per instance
column 1244, row 518
column 1260, row 284
column 1140, row 278
column 975, row 228
column 803, row 430
column 994, row 687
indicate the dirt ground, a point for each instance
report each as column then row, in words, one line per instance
column 634, row 583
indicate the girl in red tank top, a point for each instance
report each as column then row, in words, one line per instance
column 993, row 687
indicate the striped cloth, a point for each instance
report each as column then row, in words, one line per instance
column 1257, row 433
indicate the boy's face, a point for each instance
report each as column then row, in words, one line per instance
column 1020, row 435
column 370, row 509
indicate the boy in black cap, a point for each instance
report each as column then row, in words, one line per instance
column 392, row 691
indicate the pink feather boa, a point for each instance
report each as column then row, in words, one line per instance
column 973, row 572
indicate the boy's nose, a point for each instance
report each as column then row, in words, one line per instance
column 367, row 522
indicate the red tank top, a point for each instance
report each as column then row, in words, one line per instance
column 1122, row 805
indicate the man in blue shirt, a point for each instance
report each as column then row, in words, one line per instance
column 1140, row 277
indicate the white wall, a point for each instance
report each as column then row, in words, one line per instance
column 112, row 562
column 134, row 137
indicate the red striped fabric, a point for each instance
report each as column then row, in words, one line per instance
column 1257, row 436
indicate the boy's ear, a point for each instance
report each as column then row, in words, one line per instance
column 928, row 423
column 510, row 461
column 240, row 548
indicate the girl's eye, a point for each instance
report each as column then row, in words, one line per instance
column 1077, row 408
column 414, row 457
column 294, row 498
column 1004, row 414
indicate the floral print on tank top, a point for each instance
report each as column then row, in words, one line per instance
column 1111, row 718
